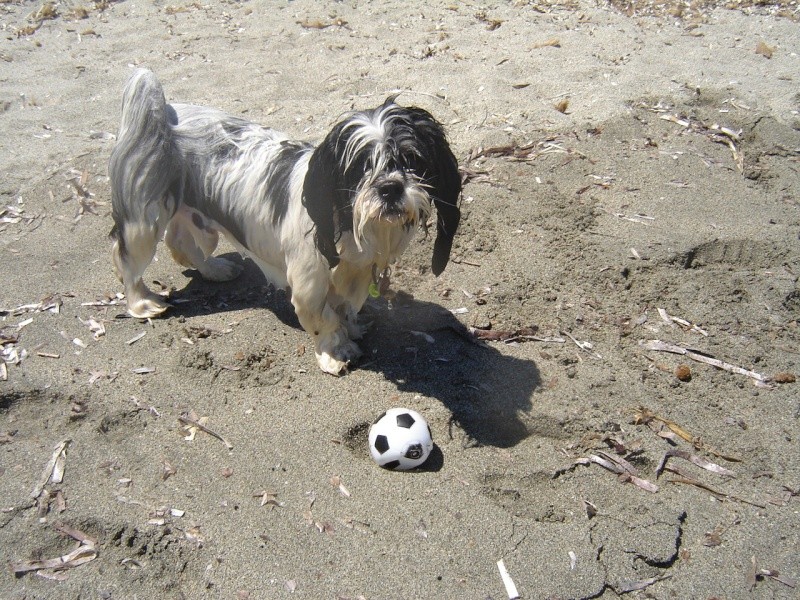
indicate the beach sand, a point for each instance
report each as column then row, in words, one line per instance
column 630, row 177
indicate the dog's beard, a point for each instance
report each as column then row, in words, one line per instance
column 373, row 215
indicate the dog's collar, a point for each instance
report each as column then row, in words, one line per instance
column 380, row 281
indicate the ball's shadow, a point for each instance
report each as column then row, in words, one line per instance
column 421, row 347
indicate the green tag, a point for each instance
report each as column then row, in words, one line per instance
column 374, row 291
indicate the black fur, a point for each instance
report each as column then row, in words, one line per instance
column 416, row 143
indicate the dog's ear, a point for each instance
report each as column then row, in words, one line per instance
column 439, row 169
column 322, row 192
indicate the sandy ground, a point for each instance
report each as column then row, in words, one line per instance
column 631, row 176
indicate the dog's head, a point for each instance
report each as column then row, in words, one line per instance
column 383, row 166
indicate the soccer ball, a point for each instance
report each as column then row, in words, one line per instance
column 400, row 439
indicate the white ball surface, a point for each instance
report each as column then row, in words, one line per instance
column 400, row 439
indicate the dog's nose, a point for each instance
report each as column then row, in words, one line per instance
column 391, row 191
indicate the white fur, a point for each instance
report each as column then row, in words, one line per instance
column 190, row 173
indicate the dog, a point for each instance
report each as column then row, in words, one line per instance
column 324, row 222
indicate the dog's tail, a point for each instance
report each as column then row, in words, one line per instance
column 141, row 166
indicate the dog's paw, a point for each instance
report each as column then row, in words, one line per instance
column 220, row 269
column 337, row 360
column 147, row 307
column 356, row 330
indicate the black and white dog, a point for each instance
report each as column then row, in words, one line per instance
column 325, row 222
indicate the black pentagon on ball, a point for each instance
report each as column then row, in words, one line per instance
column 391, row 465
column 381, row 443
column 405, row 420
column 414, row 452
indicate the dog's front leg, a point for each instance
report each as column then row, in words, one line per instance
column 332, row 344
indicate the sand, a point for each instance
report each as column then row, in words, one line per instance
column 631, row 176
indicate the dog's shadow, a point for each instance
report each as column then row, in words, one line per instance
column 249, row 290
column 421, row 347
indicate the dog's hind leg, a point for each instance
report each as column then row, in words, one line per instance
column 133, row 250
column 192, row 239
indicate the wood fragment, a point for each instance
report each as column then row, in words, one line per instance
column 671, row 320
column 82, row 554
column 777, row 576
column 518, row 335
column 268, row 498
column 336, row 482
column 318, row 24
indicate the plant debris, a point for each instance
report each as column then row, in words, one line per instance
column 647, row 417
column 83, row 554
column 336, row 482
column 508, row 583
column 672, row 320
column 526, row 334
column 755, row 575
column 694, row 459
column 268, row 498
column 685, row 479
column 54, row 469
column 659, row 346
column 193, row 425
column 319, row 24
column 616, row 464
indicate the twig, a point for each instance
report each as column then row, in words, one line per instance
column 585, row 346
column 719, row 495
column 659, row 346
column 670, row 319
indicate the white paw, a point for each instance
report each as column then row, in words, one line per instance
column 148, row 307
column 220, row 269
column 337, row 360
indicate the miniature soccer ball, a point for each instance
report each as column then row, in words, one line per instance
column 400, row 439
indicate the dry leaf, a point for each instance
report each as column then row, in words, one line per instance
column 562, row 105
